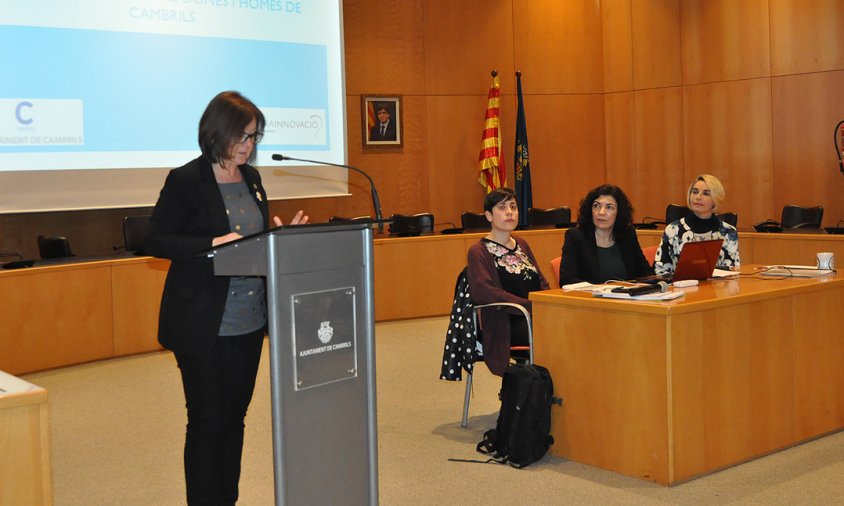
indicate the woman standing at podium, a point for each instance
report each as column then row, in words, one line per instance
column 213, row 324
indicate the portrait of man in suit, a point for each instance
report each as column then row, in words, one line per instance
column 384, row 128
column 382, row 122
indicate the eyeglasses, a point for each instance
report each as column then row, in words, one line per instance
column 255, row 136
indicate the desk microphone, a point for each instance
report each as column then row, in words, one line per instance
column 376, row 203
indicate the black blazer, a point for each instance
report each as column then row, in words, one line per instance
column 190, row 212
column 580, row 257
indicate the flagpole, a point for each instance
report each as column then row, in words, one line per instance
column 521, row 158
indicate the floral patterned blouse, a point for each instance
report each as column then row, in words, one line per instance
column 693, row 229
column 515, row 270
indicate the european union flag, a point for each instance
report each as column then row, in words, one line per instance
column 521, row 164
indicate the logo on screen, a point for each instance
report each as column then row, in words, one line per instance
column 19, row 111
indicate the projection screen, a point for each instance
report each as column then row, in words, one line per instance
column 102, row 97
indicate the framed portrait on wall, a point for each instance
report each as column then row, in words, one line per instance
column 382, row 121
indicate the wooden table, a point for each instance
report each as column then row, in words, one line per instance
column 24, row 443
column 666, row 391
column 77, row 312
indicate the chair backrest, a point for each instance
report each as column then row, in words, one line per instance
column 555, row 272
column 801, row 217
column 356, row 219
column 650, row 253
column 134, row 232
column 674, row 212
column 731, row 218
column 53, row 247
column 553, row 216
column 476, row 221
column 415, row 224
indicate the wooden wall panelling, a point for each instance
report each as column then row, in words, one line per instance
column 454, row 130
column 805, row 167
column 656, row 43
column 617, row 36
column 565, row 33
column 620, row 146
column 464, row 41
column 727, row 133
column 659, row 178
column 724, row 40
column 399, row 174
column 567, row 157
column 384, row 47
column 806, row 36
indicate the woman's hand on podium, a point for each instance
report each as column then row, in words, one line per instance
column 223, row 239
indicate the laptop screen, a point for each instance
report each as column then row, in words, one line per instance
column 697, row 260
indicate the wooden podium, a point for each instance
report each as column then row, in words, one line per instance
column 322, row 357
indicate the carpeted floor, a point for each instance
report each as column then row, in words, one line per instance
column 117, row 431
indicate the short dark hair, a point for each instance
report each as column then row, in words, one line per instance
column 222, row 124
column 498, row 195
column 382, row 106
column 623, row 219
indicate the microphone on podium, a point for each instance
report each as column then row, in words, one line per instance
column 376, row 203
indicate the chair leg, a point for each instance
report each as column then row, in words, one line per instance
column 465, row 421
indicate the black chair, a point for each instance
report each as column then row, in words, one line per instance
column 474, row 221
column 555, row 216
column 134, row 232
column 408, row 225
column 356, row 219
column 674, row 212
column 731, row 218
column 801, row 217
column 53, row 247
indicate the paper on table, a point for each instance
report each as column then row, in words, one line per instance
column 722, row 273
column 585, row 286
column 647, row 296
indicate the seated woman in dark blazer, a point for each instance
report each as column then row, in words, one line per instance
column 604, row 245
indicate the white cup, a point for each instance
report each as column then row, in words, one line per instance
column 826, row 260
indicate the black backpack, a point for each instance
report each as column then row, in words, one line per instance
column 522, row 433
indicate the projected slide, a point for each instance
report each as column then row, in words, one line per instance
column 112, row 84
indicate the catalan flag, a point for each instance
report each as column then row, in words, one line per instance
column 521, row 163
column 490, row 164
column 370, row 117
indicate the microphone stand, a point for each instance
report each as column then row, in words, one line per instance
column 376, row 202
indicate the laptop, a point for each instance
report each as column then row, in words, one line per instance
column 697, row 261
